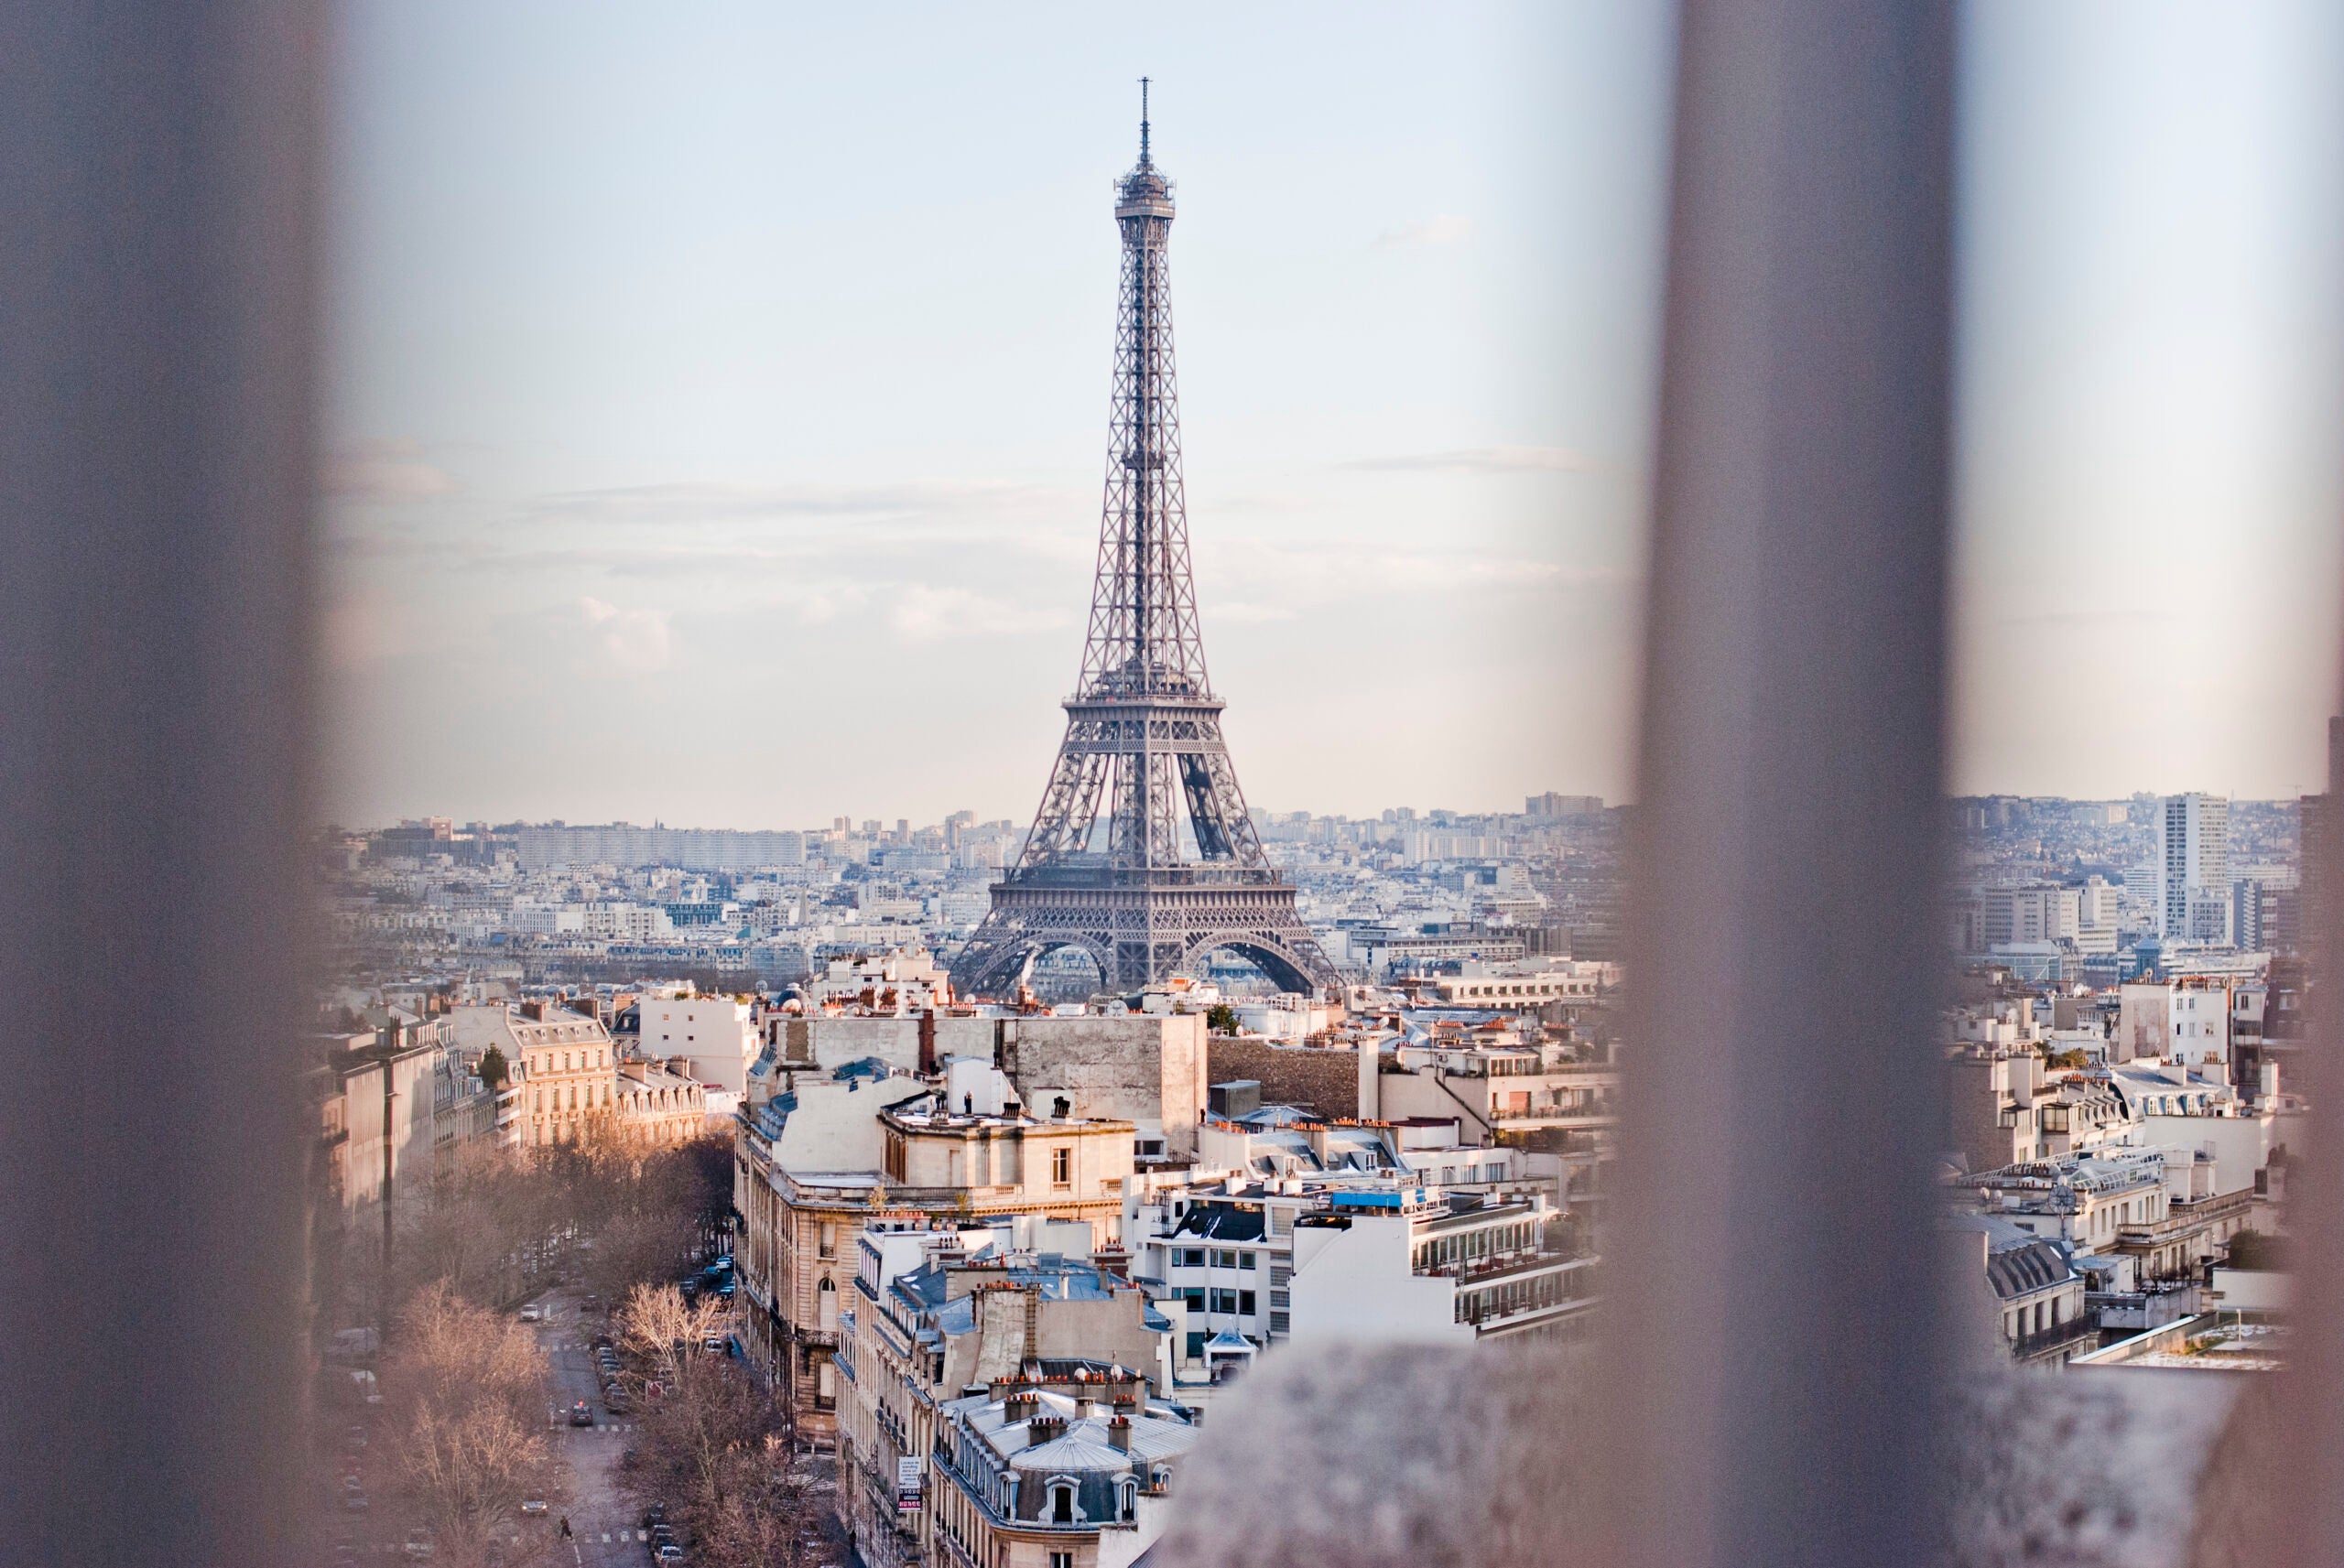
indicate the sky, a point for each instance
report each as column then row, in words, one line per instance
column 719, row 398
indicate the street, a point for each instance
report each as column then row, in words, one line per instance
column 604, row 1527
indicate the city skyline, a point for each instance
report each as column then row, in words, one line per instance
column 656, row 427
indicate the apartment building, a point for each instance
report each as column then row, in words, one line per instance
column 563, row 1065
column 828, row 1157
column 1027, row 1476
column 936, row 1314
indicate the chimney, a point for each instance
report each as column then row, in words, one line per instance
column 1020, row 1404
column 1118, row 1433
column 927, row 1042
column 1044, row 1429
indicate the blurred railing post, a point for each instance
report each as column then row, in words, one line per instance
column 155, row 380
column 1773, row 1379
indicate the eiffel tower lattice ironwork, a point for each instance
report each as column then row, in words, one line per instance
column 1142, row 853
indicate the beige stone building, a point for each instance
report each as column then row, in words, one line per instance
column 564, row 1069
column 820, row 1163
column 658, row 1105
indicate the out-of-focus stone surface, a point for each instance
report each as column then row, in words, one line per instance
column 1404, row 1457
column 1387, row 1457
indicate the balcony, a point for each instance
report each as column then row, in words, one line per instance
column 2078, row 1330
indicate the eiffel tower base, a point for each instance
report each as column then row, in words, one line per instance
column 1138, row 934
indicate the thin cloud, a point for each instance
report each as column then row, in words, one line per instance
column 639, row 641
column 1488, row 460
column 920, row 613
column 1422, row 234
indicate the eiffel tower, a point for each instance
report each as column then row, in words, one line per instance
column 1142, row 853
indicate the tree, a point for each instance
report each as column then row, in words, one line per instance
column 656, row 1324
column 2253, row 1250
column 466, row 1389
column 493, row 1072
column 1221, row 1018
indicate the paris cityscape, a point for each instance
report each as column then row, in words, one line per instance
column 1164, row 1170
column 1012, row 1147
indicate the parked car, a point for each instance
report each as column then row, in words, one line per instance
column 419, row 1543
column 581, row 1415
column 533, row 1312
column 353, row 1502
column 353, row 1437
column 614, row 1400
column 655, row 1514
column 671, row 1553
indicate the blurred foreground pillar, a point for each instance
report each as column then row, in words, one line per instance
column 1769, row 1377
column 155, row 298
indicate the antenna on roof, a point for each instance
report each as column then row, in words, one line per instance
column 1143, row 121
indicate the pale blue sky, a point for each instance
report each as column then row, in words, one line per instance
column 720, row 391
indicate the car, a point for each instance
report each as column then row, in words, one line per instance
column 419, row 1543
column 533, row 1312
column 353, row 1437
column 581, row 1415
column 690, row 1289
column 533, row 1508
column 655, row 1514
column 671, row 1552
column 614, row 1400
column 353, row 1502
column 354, row 1482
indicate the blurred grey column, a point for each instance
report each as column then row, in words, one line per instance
column 155, row 738
column 1770, row 1377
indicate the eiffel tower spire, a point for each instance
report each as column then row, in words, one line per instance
column 1142, row 851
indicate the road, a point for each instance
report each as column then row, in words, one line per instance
column 603, row 1523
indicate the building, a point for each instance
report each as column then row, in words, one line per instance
column 563, row 1065
column 1027, row 1476
column 657, row 1104
column 1416, row 1264
column 2194, row 869
column 936, row 1314
column 714, row 1032
column 2186, row 1021
column 1551, row 806
column 1500, row 1085
column 2039, row 1295
column 821, row 1158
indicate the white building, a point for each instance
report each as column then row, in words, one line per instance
column 2186, row 1021
column 2194, row 869
column 713, row 1031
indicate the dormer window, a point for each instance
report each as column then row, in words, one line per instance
column 1062, row 1505
column 1127, row 1501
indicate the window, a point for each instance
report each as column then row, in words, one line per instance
column 1057, row 1558
column 1062, row 1509
column 1225, row 1301
column 828, row 1245
column 1061, row 1166
column 1188, row 1257
column 1245, row 1303
column 1222, row 1258
column 1127, row 1501
column 1245, row 1260
column 1195, row 1296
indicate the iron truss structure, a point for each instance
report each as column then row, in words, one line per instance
column 1142, row 853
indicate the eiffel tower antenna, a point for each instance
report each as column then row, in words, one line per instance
column 1143, row 853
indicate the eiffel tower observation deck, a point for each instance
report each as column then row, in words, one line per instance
column 1142, row 853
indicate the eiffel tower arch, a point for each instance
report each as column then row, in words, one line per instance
column 1142, row 852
